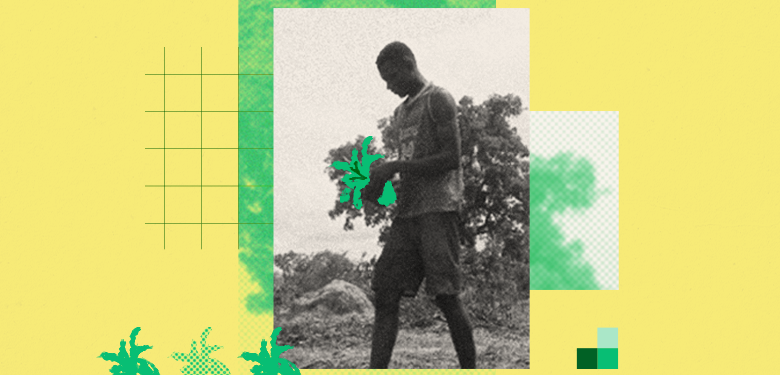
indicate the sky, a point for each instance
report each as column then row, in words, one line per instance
column 327, row 91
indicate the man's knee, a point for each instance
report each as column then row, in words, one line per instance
column 387, row 299
column 447, row 302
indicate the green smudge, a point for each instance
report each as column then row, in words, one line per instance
column 558, row 184
column 388, row 195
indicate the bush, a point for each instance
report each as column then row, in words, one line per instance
column 306, row 273
column 495, row 287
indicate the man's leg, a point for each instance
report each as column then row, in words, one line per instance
column 386, row 305
column 460, row 329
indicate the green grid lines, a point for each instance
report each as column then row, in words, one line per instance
column 198, row 153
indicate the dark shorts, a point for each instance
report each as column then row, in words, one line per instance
column 421, row 247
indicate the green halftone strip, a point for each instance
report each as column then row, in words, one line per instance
column 558, row 184
column 255, row 205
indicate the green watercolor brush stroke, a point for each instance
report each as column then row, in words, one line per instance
column 560, row 183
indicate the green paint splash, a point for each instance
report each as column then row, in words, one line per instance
column 388, row 195
column 558, row 184
column 358, row 178
column 129, row 363
column 270, row 362
column 199, row 360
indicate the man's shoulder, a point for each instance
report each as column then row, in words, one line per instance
column 440, row 93
column 442, row 103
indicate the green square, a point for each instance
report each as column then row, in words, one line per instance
column 608, row 338
column 587, row 358
column 607, row 358
column 256, row 130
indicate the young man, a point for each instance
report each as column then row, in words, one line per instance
column 423, row 241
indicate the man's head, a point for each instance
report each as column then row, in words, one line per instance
column 398, row 68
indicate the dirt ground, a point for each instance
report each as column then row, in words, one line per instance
column 346, row 344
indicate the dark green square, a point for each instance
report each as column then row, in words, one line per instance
column 587, row 358
column 607, row 358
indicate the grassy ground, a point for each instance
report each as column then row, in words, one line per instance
column 344, row 342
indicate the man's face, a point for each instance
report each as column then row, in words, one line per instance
column 398, row 77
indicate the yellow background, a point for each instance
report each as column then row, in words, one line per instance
column 695, row 84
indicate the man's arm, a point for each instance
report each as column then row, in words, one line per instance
column 444, row 112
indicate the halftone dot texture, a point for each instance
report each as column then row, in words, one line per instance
column 574, row 200
column 256, row 93
column 608, row 338
column 199, row 359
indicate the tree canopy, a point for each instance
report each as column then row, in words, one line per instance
column 495, row 167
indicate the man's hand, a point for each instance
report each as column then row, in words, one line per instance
column 384, row 172
column 378, row 176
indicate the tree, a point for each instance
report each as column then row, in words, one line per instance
column 495, row 167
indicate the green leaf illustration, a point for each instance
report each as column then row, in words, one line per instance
column 357, row 177
column 199, row 361
column 130, row 364
column 270, row 363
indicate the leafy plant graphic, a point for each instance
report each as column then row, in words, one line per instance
column 358, row 179
column 130, row 364
column 270, row 363
column 200, row 363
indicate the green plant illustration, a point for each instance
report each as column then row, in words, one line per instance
column 130, row 364
column 358, row 178
column 270, row 363
column 200, row 362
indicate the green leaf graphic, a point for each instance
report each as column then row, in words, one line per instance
column 199, row 360
column 130, row 364
column 270, row 363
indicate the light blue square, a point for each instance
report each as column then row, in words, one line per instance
column 608, row 338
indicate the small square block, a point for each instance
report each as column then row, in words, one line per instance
column 182, row 93
column 182, row 130
column 607, row 358
column 220, row 93
column 608, row 338
column 220, row 205
column 256, row 130
column 184, row 60
column 220, row 167
column 182, row 205
column 182, row 167
column 587, row 358
column 256, row 167
column 259, row 93
column 220, row 129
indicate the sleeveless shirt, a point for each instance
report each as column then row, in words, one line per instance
column 425, row 193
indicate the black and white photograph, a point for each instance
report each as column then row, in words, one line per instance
column 427, row 265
